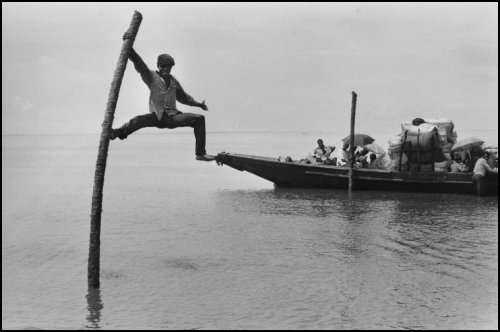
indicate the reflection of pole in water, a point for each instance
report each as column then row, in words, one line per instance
column 94, row 306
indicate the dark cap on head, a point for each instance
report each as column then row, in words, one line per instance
column 166, row 60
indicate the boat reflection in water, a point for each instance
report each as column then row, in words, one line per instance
column 372, row 258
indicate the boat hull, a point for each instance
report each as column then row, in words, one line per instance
column 295, row 174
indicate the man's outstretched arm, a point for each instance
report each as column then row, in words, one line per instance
column 139, row 65
column 186, row 99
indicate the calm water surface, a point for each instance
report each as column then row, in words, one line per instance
column 190, row 245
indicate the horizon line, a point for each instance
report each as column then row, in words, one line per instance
column 178, row 132
column 211, row 132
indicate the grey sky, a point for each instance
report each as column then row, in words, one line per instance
column 260, row 67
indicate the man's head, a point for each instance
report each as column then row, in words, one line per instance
column 368, row 158
column 320, row 142
column 345, row 146
column 486, row 155
column 165, row 64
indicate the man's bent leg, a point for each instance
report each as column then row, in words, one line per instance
column 197, row 122
column 136, row 123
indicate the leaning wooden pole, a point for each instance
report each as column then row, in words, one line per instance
column 102, row 155
column 351, row 147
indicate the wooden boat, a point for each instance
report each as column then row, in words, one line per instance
column 297, row 174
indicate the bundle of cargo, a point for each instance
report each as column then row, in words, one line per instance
column 454, row 137
column 445, row 125
column 394, row 153
column 443, row 143
column 394, row 163
column 421, row 146
column 447, row 134
column 442, row 167
column 394, row 146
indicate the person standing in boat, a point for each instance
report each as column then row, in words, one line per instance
column 322, row 153
column 163, row 112
column 482, row 167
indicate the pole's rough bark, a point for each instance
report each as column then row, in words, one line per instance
column 95, row 217
column 351, row 148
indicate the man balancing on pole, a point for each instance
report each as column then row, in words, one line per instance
column 165, row 90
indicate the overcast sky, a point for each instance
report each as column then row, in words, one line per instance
column 260, row 67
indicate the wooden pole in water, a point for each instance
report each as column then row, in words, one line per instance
column 418, row 151
column 351, row 150
column 102, row 155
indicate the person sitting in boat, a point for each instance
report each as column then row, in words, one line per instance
column 323, row 153
column 343, row 155
column 371, row 160
column 367, row 160
column 482, row 167
column 457, row 165
column 472, row 157
column 360, row 157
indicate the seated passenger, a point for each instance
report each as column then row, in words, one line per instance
column 360, row 157
column 472, row 157
column 457, row 166
column 323, row 153
column 371, row 160
column 343, row 155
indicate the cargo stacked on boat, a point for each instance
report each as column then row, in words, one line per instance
column 424, row 145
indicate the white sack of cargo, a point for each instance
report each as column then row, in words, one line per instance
column 442, row 135
column 395, row 140
column 454, row 137
column 395, row 163
column 446, row 147
column 414, row 130
column 384, row 162
column 394, row 145
column 442, row 167
column 374, row 147
column 443, row 123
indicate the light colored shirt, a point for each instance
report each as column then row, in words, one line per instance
column 162, row 98
column 318, row 153
column 482, row 167
column 457, row 167
column 342, row 157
